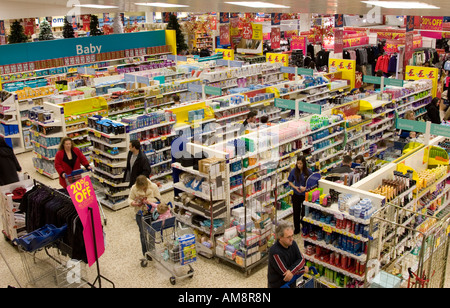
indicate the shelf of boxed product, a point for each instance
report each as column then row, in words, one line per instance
column 111, row 140
column 417, row 198
column 200, row 192
column 47, row 130
column 109, row 155
column 41, row 72
column 336, row 229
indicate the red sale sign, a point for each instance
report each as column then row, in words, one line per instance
column 224, row 34
column 338, row 40
column 275, row 36
column 247, row 31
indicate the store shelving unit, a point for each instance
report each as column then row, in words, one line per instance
column 200, row 193
column 405, row 233
column 110, row 159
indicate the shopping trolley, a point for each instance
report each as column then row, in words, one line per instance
column 165, row 245
column 78, row 175
column 416, row 281
column 303, row 282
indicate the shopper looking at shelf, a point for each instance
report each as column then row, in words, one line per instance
column 359, row 160
column 346, row 166
column 137, row 163
column 433, row 113
column 67, row 159
column 297, row 180
column 9, row 165
column 285, row 258
column 176, row 100
column 249, row 122
column 142, row 194
column 409, row 115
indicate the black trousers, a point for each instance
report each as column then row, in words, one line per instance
column 299, row 211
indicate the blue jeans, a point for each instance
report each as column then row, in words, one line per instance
column 142, row 233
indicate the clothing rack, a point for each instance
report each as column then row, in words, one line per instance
column 63, row 195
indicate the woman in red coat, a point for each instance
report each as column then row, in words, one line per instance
column 68, row 159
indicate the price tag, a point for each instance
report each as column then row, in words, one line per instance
column 327, row 229
column 292, row 154
column 39, row 155
column 163, row 138
column 36, row 134
column 159, row 96
column 267, row 103
column 97, row 152
column 97, row 134
column 37, row 145
column 40, row 171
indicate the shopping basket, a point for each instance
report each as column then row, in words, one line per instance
column 300, row 281
column 76, row 175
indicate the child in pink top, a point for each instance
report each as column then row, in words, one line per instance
column 162, row 211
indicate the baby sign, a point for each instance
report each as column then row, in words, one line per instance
column 85, row 201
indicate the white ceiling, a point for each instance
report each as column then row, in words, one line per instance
column 39, row 8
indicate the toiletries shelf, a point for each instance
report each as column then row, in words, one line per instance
column 109, row 156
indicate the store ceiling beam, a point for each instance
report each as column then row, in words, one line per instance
column 33, row 8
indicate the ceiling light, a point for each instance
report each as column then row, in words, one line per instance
column 97, row 6
column 401, row 5
column 258, row 4
column 160, row 4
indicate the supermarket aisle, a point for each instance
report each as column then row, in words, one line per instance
column 121, row 261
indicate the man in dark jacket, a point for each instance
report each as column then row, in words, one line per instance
column 285, row 258
column 346, row 166
column 137, row 163
column 9, row 165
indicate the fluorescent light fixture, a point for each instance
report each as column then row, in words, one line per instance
column 97, row 6
column 160, row 4
column 259, row 4
column 401, row 5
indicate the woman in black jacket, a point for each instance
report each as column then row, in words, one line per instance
column 433, row 113
column 9, row 165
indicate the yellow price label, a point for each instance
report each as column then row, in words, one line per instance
column 267, row 103
column 40, row 171
column 159, row 96
column 97, row 134
column 163, row 138
column 39, row 155
column 292, row 154
column 327, row 229
column 38, row 145
column 36, row 134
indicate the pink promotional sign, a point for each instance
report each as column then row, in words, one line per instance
column 433, row 26
column 298, row 42
column 83, row 197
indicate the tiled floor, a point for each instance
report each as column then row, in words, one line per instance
column 121, row 260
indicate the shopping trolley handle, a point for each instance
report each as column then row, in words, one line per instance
column 76, row 172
